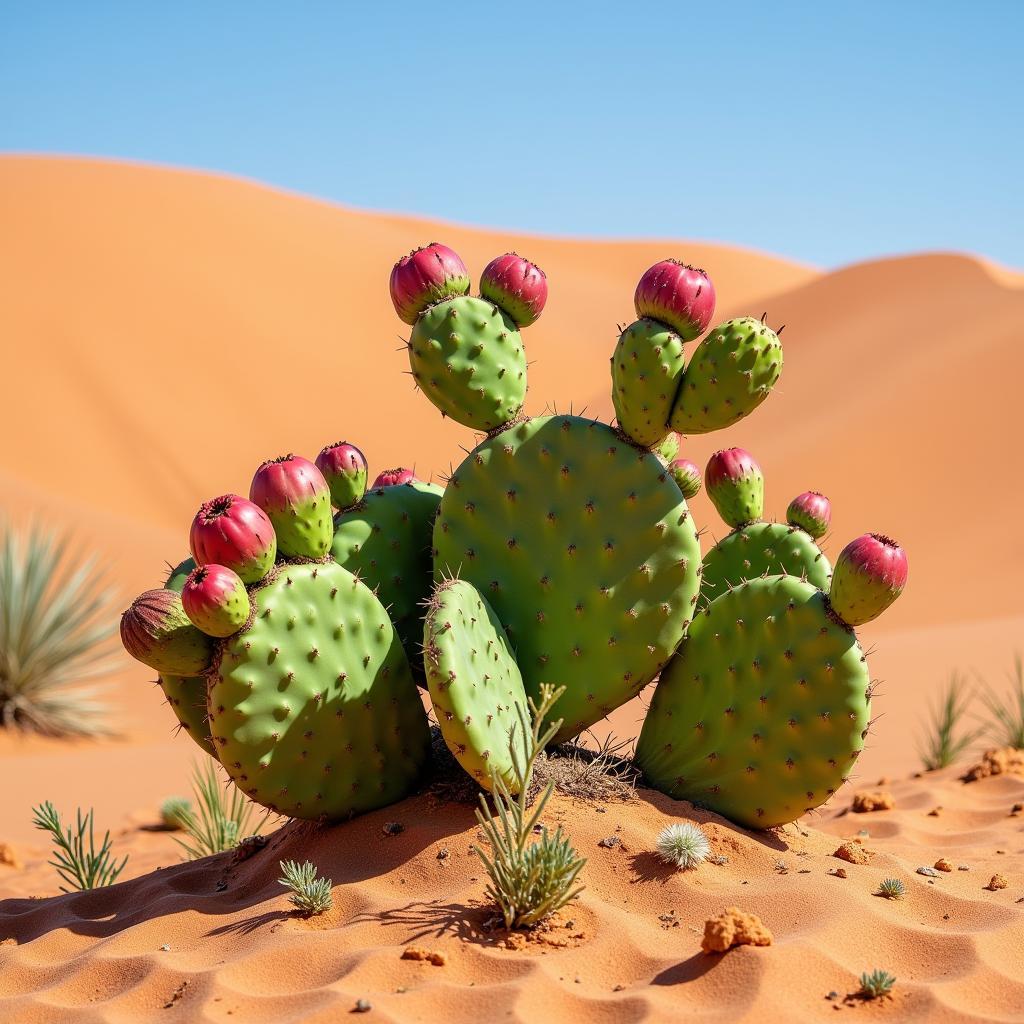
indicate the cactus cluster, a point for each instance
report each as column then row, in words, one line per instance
column 560, row 553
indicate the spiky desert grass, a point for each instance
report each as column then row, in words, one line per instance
column 76, row 857
column 683, row 844
column 891, row 889
column 945, row 739
column 528, row 881
column 310, row 894
column 1006, row 714
column 55, row 633
column 223, row 814
column 876, row 984
column 601, row 772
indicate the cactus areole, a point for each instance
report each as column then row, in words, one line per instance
column 236, row 533
column 676, row 294
column 518, row 286
column 426, row 276
column 868, row 576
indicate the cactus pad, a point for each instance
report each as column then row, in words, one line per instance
column 467, row 357
column 312, row 707
column 646, row 368
column 759, row 549
column 586, row 551
column 730, row 374
column 186, row 696
column 762, row 713
column 474, row 681
column 386, row 540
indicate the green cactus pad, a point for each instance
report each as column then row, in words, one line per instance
column 759, row 549
column 762, row 713
column 474, row 682
column 176, row 578
column 313, row 709
column 467, row 357
column 386, row 540
column 585, row 549
column 186, row 696
column 731, row 373
column 646, row 369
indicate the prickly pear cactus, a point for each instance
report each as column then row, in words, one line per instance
column 474, row 681
column 313, row 709
column 186, row 697
column 584, row 547
column 762, row 713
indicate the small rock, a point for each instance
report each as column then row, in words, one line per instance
column 718, row 858
column 872, row 800
column 832, row 995
column 248, row 847
column 1006, row 760
column 1015, row 810
column 997, row 882
column 963, row 867
column 934, row 812
column 619, row 988
column 839, row 873
column 943, row 865
column 165, row 948
column 732, row 928
column 609, row 841
column 443, row 853
column 362, row 1006
column 884, row 781
column 930, row 872
column 430, row 956
column 393, row 828
column 853, row 853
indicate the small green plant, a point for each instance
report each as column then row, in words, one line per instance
column 529, row 881
column 1006, row 716
column 683, row 844
column 173, row 811
column 224, row 815
column 891, row 889
column 876, row 984
column 945, row 741
column 310, row 893
column 54, row 637
column 76, row 858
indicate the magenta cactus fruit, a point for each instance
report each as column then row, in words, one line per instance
column 811, row 512
column 676, row 294
column 426, row 276
column 394, row 478
column 345, row 470
column 234, row 532
column 296, row 498
column 156, row 631
column 215, row 599
column 736, row 486
column 868, row 576
column 518, row 286
column 687, row 475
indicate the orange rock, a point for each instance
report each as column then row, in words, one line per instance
column 875, row 800
column 731, row 928
column 998, row 761
column 8, row 857
column 997, row 882
column 934, row 812
column 840, row 873
column 943, row 865
column 854, row 853
column 428, row 955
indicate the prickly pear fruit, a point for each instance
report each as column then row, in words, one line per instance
column 518, row 286
column 668, row 450
column 646, row 367
column 234, row 532
column 687, row 475
column 215, row 599
column 810, row 511
column 676, row 294
column 393, row 478
column 736, row 486
column 295, row 495
column 765, row 708
column 425, row 276
column 730, row 374
column 156, row 631
column 467, row 357
column 869, row 574
column 474, row 681
column 178, row 574
column 312, row 707
column 344, row 468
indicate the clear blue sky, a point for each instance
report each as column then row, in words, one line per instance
column 825, row 132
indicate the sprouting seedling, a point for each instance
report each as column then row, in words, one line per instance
column 891, row 889
column 683, row 844
column 876, row 984
column 174, row 811
column 76, row 857
column 310, row 894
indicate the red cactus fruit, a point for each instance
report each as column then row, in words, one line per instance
column 393, row 478
column 345, row 470
column 517, row 286
column 678, row 295
column 426, row 276
column 295, row 495
column 687, row 475
column 736, row 486
column 215, row 599
column 156, row 631
column 868, row 576
column 236, row 533
column 811, row 512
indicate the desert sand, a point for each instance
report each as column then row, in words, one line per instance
column 165, row 331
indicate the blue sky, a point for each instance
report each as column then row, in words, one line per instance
column 827, row 133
